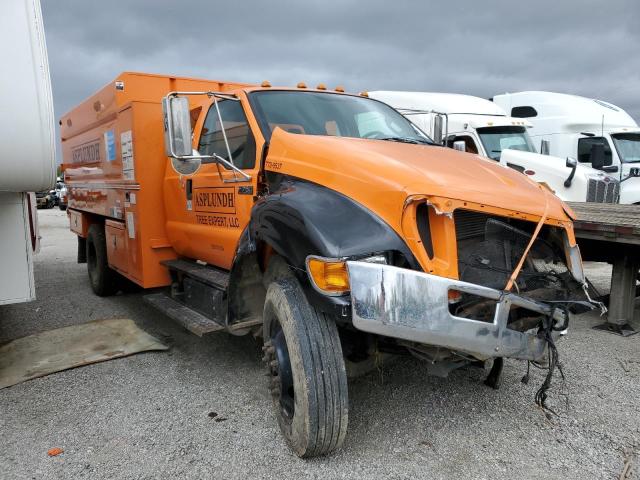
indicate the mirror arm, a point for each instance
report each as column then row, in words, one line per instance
column 207, row 159
column 224, row 133
column 567, row 182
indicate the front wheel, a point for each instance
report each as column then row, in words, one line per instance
column 308, row 380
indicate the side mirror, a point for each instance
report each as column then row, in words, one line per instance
column 177, row 126
column 598, row 158
column 571, row 163
column 545, row 146
column 177, row 136
column 460, row 145
column 437, row 129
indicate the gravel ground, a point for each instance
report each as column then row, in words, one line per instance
column 146, row 416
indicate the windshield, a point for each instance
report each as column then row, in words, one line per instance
column 496, row 139
column 628, row 146
column 314, row 113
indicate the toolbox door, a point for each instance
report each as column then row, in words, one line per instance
column 116, row 237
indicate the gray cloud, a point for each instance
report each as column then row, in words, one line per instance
column 481, row 48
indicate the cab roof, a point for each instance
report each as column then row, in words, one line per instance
column 567, row 109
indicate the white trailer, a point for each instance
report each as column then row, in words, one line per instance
column 479, row 126
column 27, row 148
column 595, row 132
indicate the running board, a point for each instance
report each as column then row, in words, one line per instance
column 207, row 274
column 190, row 319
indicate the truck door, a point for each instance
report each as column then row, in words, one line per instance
column 217, row 201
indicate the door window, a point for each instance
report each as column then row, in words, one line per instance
column 241, row 141
column 469, row 144
column 584, row 149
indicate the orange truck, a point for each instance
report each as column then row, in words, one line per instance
column 325, row 223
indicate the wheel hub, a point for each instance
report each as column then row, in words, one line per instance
column 276, row 356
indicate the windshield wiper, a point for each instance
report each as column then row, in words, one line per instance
column 416, row 141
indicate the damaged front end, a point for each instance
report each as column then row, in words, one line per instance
column 414, row 306
column 516, row 278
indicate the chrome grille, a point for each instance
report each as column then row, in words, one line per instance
column 600, row 191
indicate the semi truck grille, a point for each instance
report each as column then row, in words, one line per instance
column 599, row 191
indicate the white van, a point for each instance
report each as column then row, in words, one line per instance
column 595, row 132
column 477, row 125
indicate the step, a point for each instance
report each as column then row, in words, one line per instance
column 190, row 319
column 212, row 276
column 246, row 324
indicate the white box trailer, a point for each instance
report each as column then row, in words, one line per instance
column 479, row 126
column 27, row 148
column 595, row 132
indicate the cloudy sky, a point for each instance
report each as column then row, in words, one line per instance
column 482, row 48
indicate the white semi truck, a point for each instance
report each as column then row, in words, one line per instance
column 596, row 133
column 479, row 126
column 27, row 148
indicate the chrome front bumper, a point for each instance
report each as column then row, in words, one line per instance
column 400, row 303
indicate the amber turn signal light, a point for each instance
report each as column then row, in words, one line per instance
column 328, row 275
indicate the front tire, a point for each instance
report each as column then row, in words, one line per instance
column 307, row 371
column 103, row 280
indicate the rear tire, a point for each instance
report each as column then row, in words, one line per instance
column 307, row 371
column 103, row 280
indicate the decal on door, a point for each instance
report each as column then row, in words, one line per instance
column 215, row 200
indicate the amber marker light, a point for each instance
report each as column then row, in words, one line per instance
column 454, row 296
column 328, row 275
column 266, row 84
